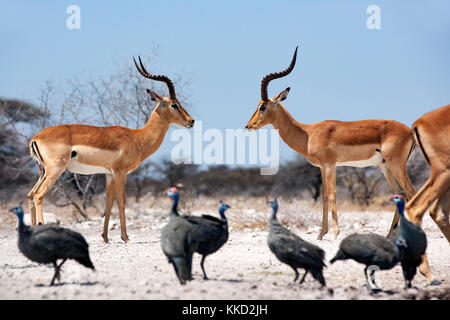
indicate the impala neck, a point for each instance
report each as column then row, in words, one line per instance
column 291, row 131
column 153, row 133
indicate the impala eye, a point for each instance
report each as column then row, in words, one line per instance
column 262, row 108
column 175, row 106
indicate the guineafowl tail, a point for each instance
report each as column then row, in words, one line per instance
column 318, row 275
column 86, row 261
column 181, row 265
column 339, row 256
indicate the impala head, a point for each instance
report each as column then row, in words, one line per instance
column 168, row 108
column 268, row 107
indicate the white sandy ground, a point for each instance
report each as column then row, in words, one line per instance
column 243, row 269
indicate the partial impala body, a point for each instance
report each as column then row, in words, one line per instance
column 115, row 151
column 432, row 135
column 328, row 144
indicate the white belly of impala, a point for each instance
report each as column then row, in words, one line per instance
column 81, row 168
column 374, row 161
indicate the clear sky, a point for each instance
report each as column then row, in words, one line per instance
column 344, row 70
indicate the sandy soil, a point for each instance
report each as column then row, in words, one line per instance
column 243, row 269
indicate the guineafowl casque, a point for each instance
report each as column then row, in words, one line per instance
column 293, row 250
column 371, row 250
column 415, row 238
column 179, row 240
column 212, row 233
column 49, row 243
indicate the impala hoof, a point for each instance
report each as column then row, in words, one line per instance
column 434, row 283
column 125, row 239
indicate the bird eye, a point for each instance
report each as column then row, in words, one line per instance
column 262, row 108
column 175, row 106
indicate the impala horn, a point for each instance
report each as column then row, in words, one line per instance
column 156, row 77
column 272, row 76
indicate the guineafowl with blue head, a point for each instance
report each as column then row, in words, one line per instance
column 179, row 240
column 415, row 238
column 372, row 250
column 212, row 233
column 49, row 243
column 293, row 250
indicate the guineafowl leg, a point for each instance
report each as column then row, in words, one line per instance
column 304, row 276
column 205, row 277
column 190, row 255
column 57, row 274
column 296, row 273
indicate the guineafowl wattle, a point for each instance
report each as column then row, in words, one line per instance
column 49, row 243
column 293, row 250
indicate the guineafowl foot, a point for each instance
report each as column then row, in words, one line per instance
column 303, row 278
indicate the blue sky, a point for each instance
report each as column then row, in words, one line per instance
column 344, row 71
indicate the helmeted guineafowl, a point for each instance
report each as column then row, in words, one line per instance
column 371, row 250
column 212, row 233
column 293, row 250
column 49, row 243
column 416, row 242
column 178, row 241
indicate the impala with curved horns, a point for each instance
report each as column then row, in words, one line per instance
column 327, row 144
column 115, row 151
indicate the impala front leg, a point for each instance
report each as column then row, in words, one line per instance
column 330, row 174
column 119, row 186
column 324, row 205
column 109, row 204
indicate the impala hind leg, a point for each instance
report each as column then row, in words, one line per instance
column 51, row 174
column 109, row 204
column 30, row 197
column 440, row 214
column 434, row 188
column 324, row 205
column 119, row 187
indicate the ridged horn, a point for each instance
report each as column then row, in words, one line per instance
column 162, row 78
column 272, row 76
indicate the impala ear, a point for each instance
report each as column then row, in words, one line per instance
column 154, row 96
column 281, row 96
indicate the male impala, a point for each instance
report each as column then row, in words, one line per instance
column 327, row 144
column 115, row 151
column 432, row 135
